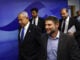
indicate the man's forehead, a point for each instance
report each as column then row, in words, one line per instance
column 49, row 22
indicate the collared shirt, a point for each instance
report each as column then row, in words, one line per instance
column 35, row 20
column 25, row 29
column 78, row 18
column 66, row 24
column 52, row 47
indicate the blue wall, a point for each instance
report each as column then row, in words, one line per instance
column 9, row 10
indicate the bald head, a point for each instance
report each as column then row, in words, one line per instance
column 64, row 13
column 23, row 18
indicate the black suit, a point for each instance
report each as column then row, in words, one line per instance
column 67, row 48
column 72, row 22
column 30, row 47
column 41, row 24
column 78, row 32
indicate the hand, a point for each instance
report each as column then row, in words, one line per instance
column 71, row 34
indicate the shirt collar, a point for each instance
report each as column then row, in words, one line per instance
column 67, row 19
column 57, row 36
column 27, row 25
column 36, row 18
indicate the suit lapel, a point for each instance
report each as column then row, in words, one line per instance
column 71, row 23
column 27, row 35
column 45, row 39
column 60, row 46
column 38, row 22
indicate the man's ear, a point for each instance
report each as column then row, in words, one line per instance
column 57, row 25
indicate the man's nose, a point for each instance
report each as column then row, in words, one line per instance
column 19, row 22
column 46, row 26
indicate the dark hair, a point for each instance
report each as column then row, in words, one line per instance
column 52, row 18
column 34, row 9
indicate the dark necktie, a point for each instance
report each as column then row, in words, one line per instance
column 22, row 34
column 63, row 27
column 34, row 22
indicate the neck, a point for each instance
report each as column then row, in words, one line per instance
column 65, row 18
column 34, row 17
column 54, row 34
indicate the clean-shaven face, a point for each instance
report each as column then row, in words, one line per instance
column 22, row 20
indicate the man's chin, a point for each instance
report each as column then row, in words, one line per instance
column 22, row 25
column 48, row 33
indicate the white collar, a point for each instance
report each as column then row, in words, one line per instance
column 36, row 21
column 27, row 25
column 67, row 19
column 26, row 28
column 57, row 36
column 36, row 18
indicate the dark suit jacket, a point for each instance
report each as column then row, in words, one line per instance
column 67, row 48
column 41, row 24
column 77, row 34
column 73, row 21
column 30, row 47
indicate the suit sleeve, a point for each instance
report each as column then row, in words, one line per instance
column 38, row 34
column 74, row 49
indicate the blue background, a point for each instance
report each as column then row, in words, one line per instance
column 9, row 10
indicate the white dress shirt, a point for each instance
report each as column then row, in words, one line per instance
column 25, row 29
column 66, row 24
column 35, row 20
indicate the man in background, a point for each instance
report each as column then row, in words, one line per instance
column 69, row 25
column 78, row 16
column 36, row 20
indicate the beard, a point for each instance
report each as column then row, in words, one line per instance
column 64, row 17
column 51, row 32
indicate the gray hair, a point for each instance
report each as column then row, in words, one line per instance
column 24, row 13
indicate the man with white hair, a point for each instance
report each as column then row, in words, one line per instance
column 29, row 39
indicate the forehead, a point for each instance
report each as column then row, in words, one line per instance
column 34, row 11
column 49, row 22
column 63, row 11
column 21, row 16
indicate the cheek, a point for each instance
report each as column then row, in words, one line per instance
column 20, row 22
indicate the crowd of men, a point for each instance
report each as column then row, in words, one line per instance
column 50, row 38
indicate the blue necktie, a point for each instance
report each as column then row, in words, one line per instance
column 22, row 34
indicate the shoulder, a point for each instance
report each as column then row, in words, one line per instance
column 44, row 36
column 40, row 18
column 35, row 28
column 60, row 20
column 68, row 39
column 30, row 19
